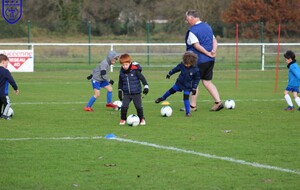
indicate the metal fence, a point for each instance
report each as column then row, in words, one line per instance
column 255, row 56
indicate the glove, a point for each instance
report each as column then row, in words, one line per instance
column 194, row 92
column 146, row 90
column 168, row 76
column 120, row 94
column 89, row 77
column 111, row 82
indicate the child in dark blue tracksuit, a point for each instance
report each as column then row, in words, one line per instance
column 5, row 79
column 130, row 89
column 187, row 80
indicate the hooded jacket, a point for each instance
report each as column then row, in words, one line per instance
column 100, row 72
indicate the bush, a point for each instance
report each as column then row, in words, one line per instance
column 12, row 30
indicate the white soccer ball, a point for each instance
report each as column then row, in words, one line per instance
column 230, row 104
column 10, row 112
column 133, row 120
column 118, row 103
column 166, row 111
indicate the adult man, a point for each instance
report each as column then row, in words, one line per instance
column 201, row 40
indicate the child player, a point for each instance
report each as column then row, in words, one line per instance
column 130, row 89
column 100, row 80
column 5, row 80
column 293, row 80
column 187, row 80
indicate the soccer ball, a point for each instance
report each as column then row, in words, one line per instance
column 133, row 120
column 10, row 112
column 166, row 111
column 229, row 104
column 118, row 103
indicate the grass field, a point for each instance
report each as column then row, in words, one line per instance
column 51, row 143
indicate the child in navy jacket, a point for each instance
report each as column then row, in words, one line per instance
column 5, row 80
column 130, row 88
column 187, row 80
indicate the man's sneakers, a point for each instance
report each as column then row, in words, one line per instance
column 289, row 108
column 217, row 106
column 88, row 109
column 111, row 105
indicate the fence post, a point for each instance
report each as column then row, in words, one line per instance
column 262, row 49
column 32, row 48
column 262, row 57
column 28, row 33
column 89, row 38
column 112, row 66
column 236, row 55
column 148, row 41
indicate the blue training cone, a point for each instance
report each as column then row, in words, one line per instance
column 110, row 136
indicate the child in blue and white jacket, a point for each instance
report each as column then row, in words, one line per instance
column 293, row 80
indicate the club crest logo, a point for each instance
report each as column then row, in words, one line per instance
column 12, row 10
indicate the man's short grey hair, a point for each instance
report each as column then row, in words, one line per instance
column 193, row 13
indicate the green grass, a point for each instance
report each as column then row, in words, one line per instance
column 50, row 105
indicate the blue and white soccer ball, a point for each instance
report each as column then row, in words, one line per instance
column 229, row 104
column 133, row 120
column 119, row 104
column 10, row 112
column 166, row 111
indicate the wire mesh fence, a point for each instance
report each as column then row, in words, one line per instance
column 230, row 56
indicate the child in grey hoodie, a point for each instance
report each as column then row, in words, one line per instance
column 100, row 79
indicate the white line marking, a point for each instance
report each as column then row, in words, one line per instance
column 52, row 103
column 50, row 138
column 253, row 164
column 148, row 101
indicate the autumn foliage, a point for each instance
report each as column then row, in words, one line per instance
column 266, row 14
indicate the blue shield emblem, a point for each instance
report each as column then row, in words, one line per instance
column 12, row 10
